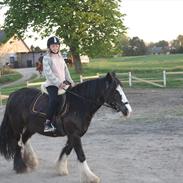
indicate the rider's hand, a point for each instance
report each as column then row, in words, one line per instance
column 72, row 84
column 62, row 85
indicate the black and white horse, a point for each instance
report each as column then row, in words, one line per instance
column 82, row 101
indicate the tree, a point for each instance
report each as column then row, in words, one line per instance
column 121, row 44
column 86, row 26
column 177, row 45
column 162, row 44
column 134, row 47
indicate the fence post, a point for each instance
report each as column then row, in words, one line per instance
column 1, row 102
column 81, row 78
column 164, row 78
column 130, row 79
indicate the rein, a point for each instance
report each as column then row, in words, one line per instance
column 88, row 100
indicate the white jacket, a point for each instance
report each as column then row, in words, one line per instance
column 51, row 77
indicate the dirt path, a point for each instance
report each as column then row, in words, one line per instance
column 146, row 148
column 27, row 73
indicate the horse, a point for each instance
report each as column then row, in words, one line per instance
column 39, row 68
column 69, row 61
column 82, row 100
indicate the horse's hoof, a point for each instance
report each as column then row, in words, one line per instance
column 64, row 173
column 62, row 170
column 97, row 180
column 93, row 180
column 21, row 171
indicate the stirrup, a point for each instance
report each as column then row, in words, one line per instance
column 49, row 128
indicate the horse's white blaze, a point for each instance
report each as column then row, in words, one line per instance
column 124, row 99
column 87, row 175
column 29, row 155
column 62, row 166
column 129, row 108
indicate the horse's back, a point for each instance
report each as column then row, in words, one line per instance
column 22, row 98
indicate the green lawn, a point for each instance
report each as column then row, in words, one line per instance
column 10, row 77
column 138, row 64
column 149, row 67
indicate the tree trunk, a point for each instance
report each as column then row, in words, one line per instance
column 76, row 60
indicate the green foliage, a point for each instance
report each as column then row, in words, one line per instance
column 177, row 45
column 162, row 44
column 134, row 47
column 86, row 26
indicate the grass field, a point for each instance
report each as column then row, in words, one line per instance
column 9, row 77
column 148, row 67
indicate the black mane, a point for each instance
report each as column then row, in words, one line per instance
column 90, row 89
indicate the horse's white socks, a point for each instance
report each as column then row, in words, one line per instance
column 29, row 155
column 62, row 166
column 87, row 176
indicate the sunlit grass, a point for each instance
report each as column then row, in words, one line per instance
column 147, row 67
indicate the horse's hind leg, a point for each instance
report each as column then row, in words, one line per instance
column 24, row 157
column 29, row 156
column 62, row 161
column 19, row 164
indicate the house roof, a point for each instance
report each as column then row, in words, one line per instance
column 3, row 39
column 25, row 44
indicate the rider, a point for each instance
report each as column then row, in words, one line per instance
column 56, row 72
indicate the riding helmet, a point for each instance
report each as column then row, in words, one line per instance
column 53, row 40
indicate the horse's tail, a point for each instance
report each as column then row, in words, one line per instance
column 8, row 141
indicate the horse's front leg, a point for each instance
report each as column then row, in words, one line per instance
column 87, row 176
column 62, row 161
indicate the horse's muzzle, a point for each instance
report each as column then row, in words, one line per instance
column 126, row 110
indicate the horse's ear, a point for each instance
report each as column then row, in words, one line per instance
column 113, row 73
column 109, row 77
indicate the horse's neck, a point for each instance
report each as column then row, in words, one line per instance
column 93, row 99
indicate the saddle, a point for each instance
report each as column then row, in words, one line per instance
column 40, row 104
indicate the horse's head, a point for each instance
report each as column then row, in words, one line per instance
column 116, row 98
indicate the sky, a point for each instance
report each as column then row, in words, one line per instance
column 150, row 20
column 153, row 20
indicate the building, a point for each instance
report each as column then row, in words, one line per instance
column 16, row 53
column 10, row 49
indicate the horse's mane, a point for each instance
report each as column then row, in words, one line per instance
column 90, row 88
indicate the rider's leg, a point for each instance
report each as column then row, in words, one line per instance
column 52, row 106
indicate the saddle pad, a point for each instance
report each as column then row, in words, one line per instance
column 40, row 104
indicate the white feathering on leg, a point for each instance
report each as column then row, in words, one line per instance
column 62, row 166
column 29, row 156
column 87, row 176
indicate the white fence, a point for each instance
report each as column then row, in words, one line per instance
column 34, row 84
column 170, row 73
column 133, row 79
column 130, row 80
